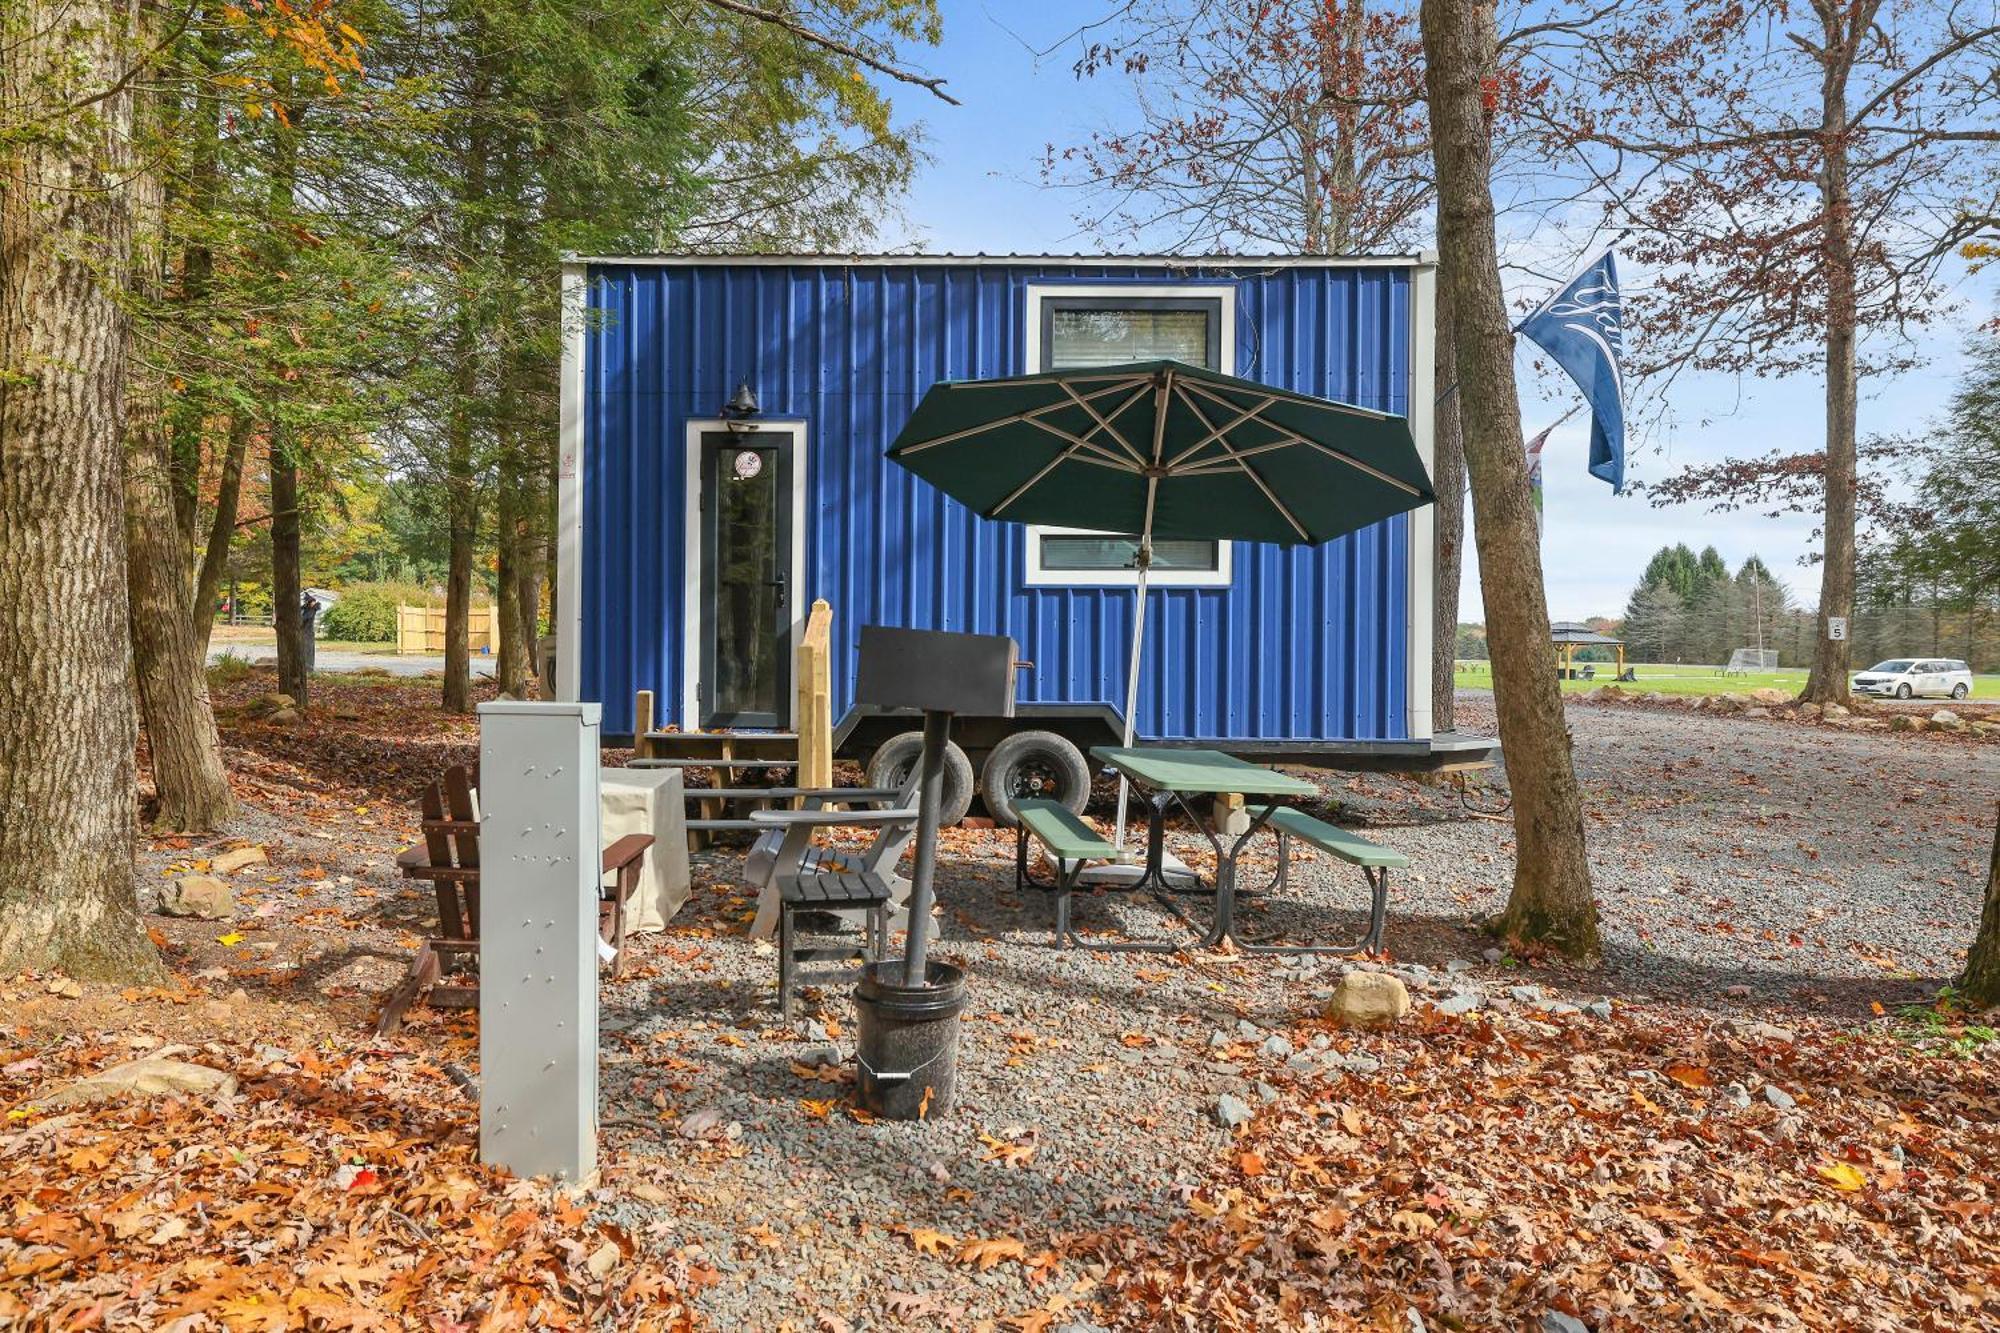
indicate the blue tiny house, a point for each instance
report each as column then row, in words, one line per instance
column 723, row 427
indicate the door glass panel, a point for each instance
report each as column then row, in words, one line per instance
column 749, row 583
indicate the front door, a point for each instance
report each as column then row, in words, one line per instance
column 746, row 564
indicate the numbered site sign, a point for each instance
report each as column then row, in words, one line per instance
column 1836, row 628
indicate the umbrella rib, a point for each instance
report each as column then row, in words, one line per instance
column 1048, row 467
column 1104, row 422
column 1032, row 415
column 1248, row 471
column 1327, row 449
column 1218, row 433
column 1160, row 414
column 1282, row 396
column 1114, row 458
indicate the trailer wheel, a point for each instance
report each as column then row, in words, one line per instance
column 1033, row 763
column 895, row 758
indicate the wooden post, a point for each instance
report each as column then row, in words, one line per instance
column 814, row 714
column 642, row 723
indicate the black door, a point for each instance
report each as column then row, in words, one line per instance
column 746, row 564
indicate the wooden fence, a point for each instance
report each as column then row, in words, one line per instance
column 420, row 629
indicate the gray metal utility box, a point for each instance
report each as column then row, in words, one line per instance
column 936, row 671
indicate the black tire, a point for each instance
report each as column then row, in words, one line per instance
column 892, row 761
column 1959, row 691
column 1902, row 691
column 1033, row 763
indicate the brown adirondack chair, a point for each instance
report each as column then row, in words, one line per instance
column 446, row 968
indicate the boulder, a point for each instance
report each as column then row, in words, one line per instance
column 201, row 896
column 1946, row 720
column 1831, row 711
column 155, row 1075
column 1608, row 694
column 1808, row 710
column 1756, row 710
column 1904, row 722
column 285, row 717
column 272, row 703
column 1770, row 696
column 1368, row 999
column 1728, row 702
column 233, row 860
column 1986, row 728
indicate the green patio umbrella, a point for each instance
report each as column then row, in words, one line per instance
column 1163, row 450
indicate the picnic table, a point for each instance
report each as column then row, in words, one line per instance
column 1168, row 776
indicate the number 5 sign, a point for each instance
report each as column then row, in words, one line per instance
column 1836, row 628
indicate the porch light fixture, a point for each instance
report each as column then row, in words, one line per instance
column 742, row 406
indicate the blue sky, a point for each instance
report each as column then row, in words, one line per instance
column 983, row 192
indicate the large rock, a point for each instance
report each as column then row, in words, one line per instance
column 1986, row 728
column 1808, row 710
column 272, row 703
column 1368, row 999
column 1946, row 720
column 1904, row 722
column 155, row 1075
column 201, row 896
column 233, row 860
column 1832, row 711
column 1770, row 696
column 1609, row 694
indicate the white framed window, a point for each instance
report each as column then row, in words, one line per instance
column 1081, row 558
column 1081, row 325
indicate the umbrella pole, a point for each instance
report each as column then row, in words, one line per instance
column 1132, row 671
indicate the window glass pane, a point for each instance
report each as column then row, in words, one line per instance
column 1091, row 552
column 1084, row 338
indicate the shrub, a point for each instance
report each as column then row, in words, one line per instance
column 366, row 612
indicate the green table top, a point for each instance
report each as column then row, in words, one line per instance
column 1172, row 768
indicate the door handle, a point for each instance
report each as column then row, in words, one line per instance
column 780, row 584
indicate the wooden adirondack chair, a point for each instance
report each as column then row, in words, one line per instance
column 446, row 968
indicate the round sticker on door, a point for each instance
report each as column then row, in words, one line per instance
column 747, row 464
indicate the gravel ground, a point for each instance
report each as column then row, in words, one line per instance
column 1753, row 867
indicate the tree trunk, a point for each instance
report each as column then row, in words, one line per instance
column 1551, row 902
column 221, row 530
column 462, row 520
column 1448, row 514
column 286, row 582
column 193, row 790
column 509, row 664
column 1827, row 682
column 67, row 894
column 1981, row 979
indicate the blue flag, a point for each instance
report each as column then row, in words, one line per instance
column 1583, row 329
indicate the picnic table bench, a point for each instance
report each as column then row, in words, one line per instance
column 1070, row 842
column 1375, row 861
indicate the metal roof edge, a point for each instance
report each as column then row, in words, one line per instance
column 1419, row 259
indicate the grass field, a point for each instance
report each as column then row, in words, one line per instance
column 1685, row 679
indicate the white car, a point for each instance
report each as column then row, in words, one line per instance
column 1905, row 677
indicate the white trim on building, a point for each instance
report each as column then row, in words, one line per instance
column 1423, row 520
column 568, row 621
column 1224, row 294
column 690, row 702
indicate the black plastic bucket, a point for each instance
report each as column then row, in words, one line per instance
column 908, row 1043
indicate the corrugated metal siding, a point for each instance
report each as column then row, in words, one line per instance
column 1305, row 644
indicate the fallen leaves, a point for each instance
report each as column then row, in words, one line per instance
column 986, row 1254
column 1606, row 1164
column 1842, row 1175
